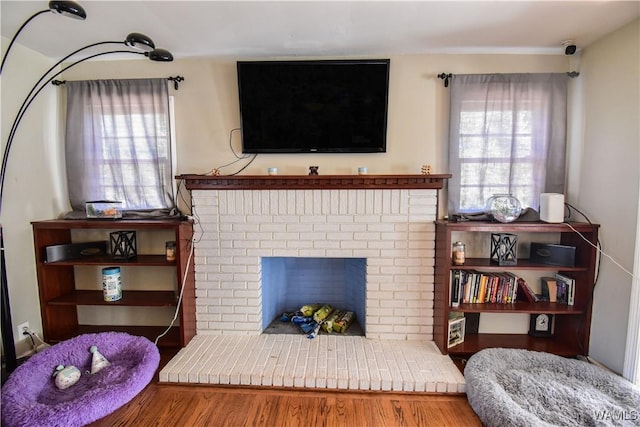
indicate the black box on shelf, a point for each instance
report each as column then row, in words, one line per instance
column 472, row 323
column 75, row 251
column 551, row 254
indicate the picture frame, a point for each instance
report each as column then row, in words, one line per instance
column 541, row 325
column 456, row 332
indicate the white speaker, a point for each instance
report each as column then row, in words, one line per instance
column 552, row 207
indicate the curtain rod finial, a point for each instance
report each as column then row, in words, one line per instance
column 176, row 81
column 445, row 77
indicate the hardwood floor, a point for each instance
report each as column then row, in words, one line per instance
column 233, row 406
column 184, row 405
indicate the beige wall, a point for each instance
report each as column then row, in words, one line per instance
column 207, row 110
column 609, row 178
column 32, row 184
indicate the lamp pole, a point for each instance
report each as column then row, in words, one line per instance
column 8, row 343
column 66, row 8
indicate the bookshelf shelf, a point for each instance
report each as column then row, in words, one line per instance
column 129, row 299
column 571, row 322
column 523, row 264
column 474, row 343
column 140, row 260
column 520, row 307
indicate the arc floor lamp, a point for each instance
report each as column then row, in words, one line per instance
column 138, row 44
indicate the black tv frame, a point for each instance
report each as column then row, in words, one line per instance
column 309, row 143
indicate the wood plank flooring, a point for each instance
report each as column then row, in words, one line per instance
column 238, row 406
column 187, row 405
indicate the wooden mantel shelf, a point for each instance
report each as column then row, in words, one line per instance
column 306, row 182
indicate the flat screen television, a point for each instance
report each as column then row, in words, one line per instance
column 318, row 106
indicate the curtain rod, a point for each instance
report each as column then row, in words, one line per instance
column 176, row 81
column 447, row 76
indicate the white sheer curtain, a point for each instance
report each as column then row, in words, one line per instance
column 507, row 136
column 118, row 143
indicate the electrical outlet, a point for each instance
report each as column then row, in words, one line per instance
column 21, row 328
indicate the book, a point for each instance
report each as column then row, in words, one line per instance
column 482, row 290
column 464, row 285
column 570, row 285
column 549, row 288
column 471, row 277
column 494, row 281
column 524, row 292
column 454, row 291
column 504, row 288
column 475, row 287
column 561, row 295
column 513, row 287
column 456, row 331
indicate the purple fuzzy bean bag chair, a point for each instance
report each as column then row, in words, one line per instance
column 31, row 398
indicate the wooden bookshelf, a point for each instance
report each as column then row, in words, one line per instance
column 60, row 298
column 571, row 322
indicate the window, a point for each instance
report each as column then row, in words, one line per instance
column 507, row 136
column 118, row 143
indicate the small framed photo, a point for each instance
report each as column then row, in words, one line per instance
column 540, row 325
column 456, row 331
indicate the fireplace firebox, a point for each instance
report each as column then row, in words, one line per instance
column 289, row 283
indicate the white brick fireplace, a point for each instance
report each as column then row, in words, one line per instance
column 389, row 225
column 382, row 221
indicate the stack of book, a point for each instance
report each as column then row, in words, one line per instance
column 474, row 287
column 559, row 289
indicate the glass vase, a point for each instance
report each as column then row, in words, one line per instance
column 503, row 208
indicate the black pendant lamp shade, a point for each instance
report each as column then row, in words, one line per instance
column 140, row 41
column 160, row 55
column 68, row 8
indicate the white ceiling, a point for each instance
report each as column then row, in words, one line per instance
column 325, row 28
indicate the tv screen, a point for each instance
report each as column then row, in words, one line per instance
column 322, row 106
